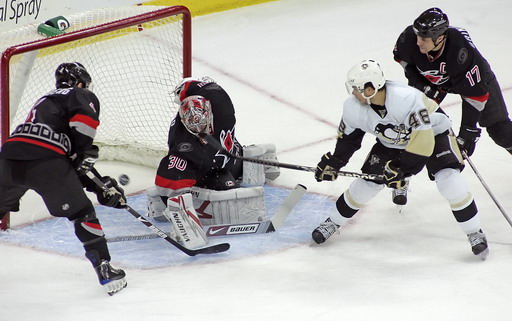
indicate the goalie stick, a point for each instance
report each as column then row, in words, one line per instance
column 210, row 140
column 238, row 229
column 217, row 248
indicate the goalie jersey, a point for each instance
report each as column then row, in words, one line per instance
column 186, row 146
column 407, row 121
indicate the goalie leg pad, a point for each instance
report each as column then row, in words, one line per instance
column 155, row 205
column 187, row 226
column 234, row 206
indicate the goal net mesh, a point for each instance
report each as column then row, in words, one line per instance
column 134, row 70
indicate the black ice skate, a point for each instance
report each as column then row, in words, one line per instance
column 399, row 196
column 113, row 280
column 324, row 231
column 478, row 243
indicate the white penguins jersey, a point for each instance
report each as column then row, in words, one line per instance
column 407, row 121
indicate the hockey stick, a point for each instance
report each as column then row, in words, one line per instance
column 262, row 227
column 215, row 144
column 205, row 250
column 470, row 162
column 238, row 229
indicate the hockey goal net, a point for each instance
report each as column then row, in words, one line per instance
column 136, row 55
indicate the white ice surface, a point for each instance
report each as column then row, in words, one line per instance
column 284, row 64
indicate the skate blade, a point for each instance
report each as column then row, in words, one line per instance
column 483, row 255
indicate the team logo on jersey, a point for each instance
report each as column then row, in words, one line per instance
column 374, row 159
column 462, row 56
column 394, row 134
column 184, row 147
column 435, row 77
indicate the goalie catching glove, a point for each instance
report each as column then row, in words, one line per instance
column 328, row 167
column 114, row 197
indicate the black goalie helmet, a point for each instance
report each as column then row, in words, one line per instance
column 69, row 74
column 432, row 23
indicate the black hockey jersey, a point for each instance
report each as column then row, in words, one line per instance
column 185, row 145
column 61, row 123
column 458, row 67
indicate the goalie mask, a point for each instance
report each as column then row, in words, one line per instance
column 196, row 115
column 179, row 92
column 367, row 72
column 70, row 74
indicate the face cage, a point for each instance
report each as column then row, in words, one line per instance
column 198, row 122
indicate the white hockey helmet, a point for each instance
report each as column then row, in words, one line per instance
column 367, row 71
column 196, row 115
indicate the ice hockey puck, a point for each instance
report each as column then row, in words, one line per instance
column 124, row 179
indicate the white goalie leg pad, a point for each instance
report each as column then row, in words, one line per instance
column 233, row 206
column 186, row 224
column 155, row 205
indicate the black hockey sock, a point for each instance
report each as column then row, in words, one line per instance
column 88, row 230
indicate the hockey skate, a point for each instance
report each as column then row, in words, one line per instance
column 478, row 243
column 113, row 280
column 399, row 196
column 324, row 231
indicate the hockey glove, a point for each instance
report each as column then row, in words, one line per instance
column 328, row 167
column 85, row 160
column 435, row 93
column 468, row 136
column 114, row 197
column 393, row 176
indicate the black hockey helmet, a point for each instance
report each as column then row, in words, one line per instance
column 432, row 23
column 70, row 74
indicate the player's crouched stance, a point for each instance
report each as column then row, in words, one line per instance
column 410, row 134
column 197, row 185
column 50, row 153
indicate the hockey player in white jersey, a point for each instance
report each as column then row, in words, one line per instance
column 410, row 135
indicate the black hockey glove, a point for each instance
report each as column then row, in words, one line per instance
column 435, row 93
column 418, row 81
column 114, row 197
column 468, row 136
column 328, row 167
column 84, row 161
column 393, row 176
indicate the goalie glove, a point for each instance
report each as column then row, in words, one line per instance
column 84, row 161
column 393, row 176
column 468, row 136
column 114, row 197
column 328, row 167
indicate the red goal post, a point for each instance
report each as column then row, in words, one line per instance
column 135, row 55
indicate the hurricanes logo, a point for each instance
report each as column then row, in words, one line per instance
column 435, row 77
